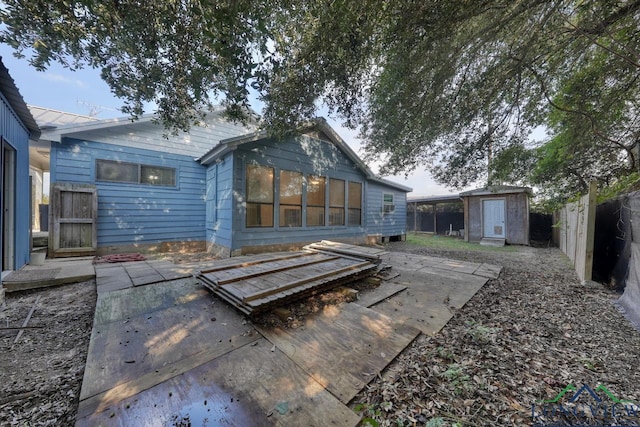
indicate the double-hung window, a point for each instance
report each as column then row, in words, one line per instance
column 290, row 199
column 336, row 201
column 259, row 196
column 355, row 203
column 315, row 200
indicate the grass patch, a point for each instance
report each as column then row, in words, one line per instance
column 452, row 243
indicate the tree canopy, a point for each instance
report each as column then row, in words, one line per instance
column 455, row 86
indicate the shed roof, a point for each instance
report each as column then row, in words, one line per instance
column 496, row 189
column 430, row 200
column 227, row 145
column 11, row 92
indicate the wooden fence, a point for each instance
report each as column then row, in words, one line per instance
column 574, row 232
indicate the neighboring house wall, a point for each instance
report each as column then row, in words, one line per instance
column 310, row 156
column 16, row 136
column 137, row 215
column 385, row 223
column 516, row 217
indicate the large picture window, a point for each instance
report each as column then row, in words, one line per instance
column 135, row 173
column 290, row 199
column 315, row 200
column 336, row 201
column 355, row 203
column 259, row 196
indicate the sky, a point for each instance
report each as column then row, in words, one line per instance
column 84, row 92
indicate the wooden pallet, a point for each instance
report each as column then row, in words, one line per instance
column 253, row 286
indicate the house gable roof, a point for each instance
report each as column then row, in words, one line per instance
column 12, row 94
column 320, row 124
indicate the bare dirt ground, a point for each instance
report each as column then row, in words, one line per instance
column 519, row 340
column 41, row 374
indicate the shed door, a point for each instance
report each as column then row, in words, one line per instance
column 74, row 211
column 493, row 218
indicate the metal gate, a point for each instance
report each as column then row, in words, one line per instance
column 73, row 220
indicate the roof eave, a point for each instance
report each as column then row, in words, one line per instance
column 15, row 99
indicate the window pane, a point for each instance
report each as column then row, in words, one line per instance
column 290, row 188
column 259, row 184
column 355, row 195
column 336, row 192
column 315, row 216
column 315, row 190
column 156, row 175
column 354, row 216
column 290, row 216
column 259, row 215
column 107, row 170
column 336, row 216
column 388, row 198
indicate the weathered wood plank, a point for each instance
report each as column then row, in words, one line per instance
column 252, row 260
column 344, row 347
column 209, row 395
column 379, row 294
column 295, row 283
column 151, row 340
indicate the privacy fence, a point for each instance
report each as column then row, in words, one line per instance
column 603, row 241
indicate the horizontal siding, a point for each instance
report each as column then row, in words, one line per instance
column 219, row 216
column 390, row 224
column 137, row 213
column 15, row 133
column 305, row 155
column 149, row 136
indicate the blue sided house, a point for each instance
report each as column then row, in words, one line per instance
column 16, row 127
column 223, row 187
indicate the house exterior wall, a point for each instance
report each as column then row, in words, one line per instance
column 382, row 224
column 516, row 217
column 136, row 215
column 16, row 135
column 310, row 156
column 219, row 206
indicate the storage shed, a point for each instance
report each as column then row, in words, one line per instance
column 497, row 214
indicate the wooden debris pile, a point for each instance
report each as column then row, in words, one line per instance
column 255, row 284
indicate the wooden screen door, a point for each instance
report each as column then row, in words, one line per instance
column 493, row 218
column 73, row 213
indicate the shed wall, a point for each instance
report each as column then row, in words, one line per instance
column 516, row 217
column 17, row 136
column 136, row 214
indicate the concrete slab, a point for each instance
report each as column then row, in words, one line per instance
column 57, row 271
column 122, row 275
